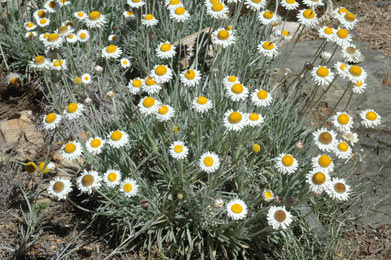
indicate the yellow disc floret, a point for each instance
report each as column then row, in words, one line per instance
column 235, row 117
column 237, row 208
column 287, row 160
column 324, row 160
column 116, row 135
column 94, row 15
column 50, row 118
column 319, row 178
column 70, row 148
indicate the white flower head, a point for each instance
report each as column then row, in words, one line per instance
column 165, row 50
column 80, row 15
column 217, row 10
column 59, row 65
column 117, row 139
column 286, row 163
column 95, row 145
column 128, row 15
column 161, row 74
column 348, row 20
column 83, row 35
column 209, row 162
column 342, row 121
column 323, row 163
column 95, row 20
column 179, row 14
column 71, row 151
column 254, row 119
column 149, row 20
column 229, row 81
column 53, row 41
column 236, row 209
column 279, row 217
column 223, row 37
column 352, row 54
column 71, row 38
column 148, row 105
column 86, row 78
column 317, row 180
column 357, row 73
column 164, row 113
column 135, row 86
column 267, row 17
column 350, row 137
column 29, row 26
column 237, row 92
column 136, row 3
column 261, row 98
column 342, row 37
column 255, row 4
column 125, row 63
column 327, row 33
column 308, row 18
column 150, row 86
column 51, row 121
column 325, row 139
column 112, row 178
column 268, row 195
column 178, row 150
column 43, row 22
column 40, row 62
column 190, row 77
column 342, row 69
column 51, row 6
column 338, row 189
column 201, row 104
column 59, row 188
column 370, row 118
column 359, row 87
column 129, row 187
column 268, row 49
column 111, row 51
column 342, row 150
column 290, row 4
column 322, row 75
column 74, row 111
column 234, row 120
column 313, row 4
column 89, row 181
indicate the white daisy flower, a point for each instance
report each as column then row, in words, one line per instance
column 43, row 36
column 234, row 120
column 164, row 113
column 64, row 2
column 71, row 151
column 51, row 6
column 209, row 162
column 342, row 37
column 148, row 105
column 350, row 137
column 325, row 139
column 43, row 22
column 267, row 17
column 83, row 35
column 13, row 78
column 89, row 181
column 201, row 104
column 71, row 38
column 30, row 34
column 322, row 75
column 286, row 163
column 289, row 4
column 95, row 145
column 39, row 14
column 339, row 12
column 268, row 49
column 284, row 34
column 342, row 121
column 255, row 4
column 223, row 37
column 95, row 20
column 237, row 92
column 261, row 98
column 125, row 63
column 190, row 78
column 178, row 150
column 161, row 74
column 86, row 78
column 348, row 21
column 318, row 181
column 135, row 85
column 51, row 121
column 149, row 20
column 342, row 69
column 236, row 209
column 150, row 86
column 351, row 54
column 308, row 18
column 128, row 15
column 59, row 65
column 170, row 4
column 279, row 217
column 338, row 189
column 327, row 32
column 40, row 62
column 59, row 188
column 254, row 119
column 129, row 187
column 229, row 81
column 370, row 118
column 325, row 55
column 53, row 41
column 217, row 10
column 323, row 163
column 359, row 87
column 74, row 111
column 179, row 14
column 357, row 73
column 268, row 195
column 112, row 178
column 112, row 38
column 342, row 150
column 29, row 26
column 111, row 51
column 64, row 30
column 80, row 15
column 313, row 4
column 165, row 50
column 118, row 139
column 136, row 3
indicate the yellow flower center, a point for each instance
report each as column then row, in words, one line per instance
column 52, row 4
column 268, row 195
column 163, row 110
column 71, row 36
column 87, row 180
column 328, row 30
column 50, row 118
column 343, row 147
column 178, row 148
column 14, row 80
column 77, row 80
column 254, row 117
column 280, row 215
column 256, row 1
column 149, row 17
column 350, row 50
column 343, row 66
column 125, row 62
column 130, row 13
column 72, row 107
column 94, row 15
column 325, row 138
column 237, row 208
column 137, row 83
column 208, row 161
column 287, row 160
column 58, row 186
column 237, row 88
column 80, row 14
column 223, row 35
column 128, row 187
column 165, row 47
column 63, row 30
column 371, row 115
column 41, row 13
column 324, row 160
column 339, row 187
column 262, row 94
column 309, row 14
column 350, row 17
column 175, row 2
column 53, row 37
column 323, row 72
column 161, row 70
column 83, row 35
column 116, row 135
column 319, row 178
column 355, row 70
column 235, row 117
column 180, row 11
column 268, row 14
column 70, row 148
column 285, row 33
column 86, row 77
column 232, row 79
column 112, row 176
column 358, row 84
column 30, row 25
column 342, row 33
column 111, row 48
column 202, row 100
column 268, row 46
column 343, row 119
column 95, row 143
column 43, row 21
column 342, row 10
column 39, row 60
column 150, row 82
column 30, row 167
column 291, row 2
column 58, row 63
column 190, row 74
column 149, row 102
column 256, row 148
column 136, row 1
column 43, row 168
column 217, row 7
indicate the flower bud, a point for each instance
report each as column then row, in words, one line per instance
column 218, row 203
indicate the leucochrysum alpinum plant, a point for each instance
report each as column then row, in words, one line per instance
column 198, row 139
